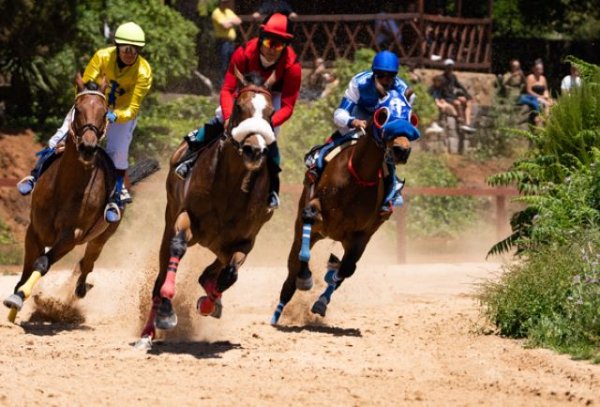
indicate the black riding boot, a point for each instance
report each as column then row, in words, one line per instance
column 196, row 140
column 273, row 160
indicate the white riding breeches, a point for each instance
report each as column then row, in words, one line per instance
column 118, row 139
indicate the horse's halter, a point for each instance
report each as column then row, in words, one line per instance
column 77, row 134
column 234, row 121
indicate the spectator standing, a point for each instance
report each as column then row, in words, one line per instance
column 386, row 28
column 269, row 7
column 457, row 95
column 224, row 22
column 570, row 81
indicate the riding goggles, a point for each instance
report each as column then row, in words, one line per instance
column 385, row 74
column 273, row 43
column 130, row 49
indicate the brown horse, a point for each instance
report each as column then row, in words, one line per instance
column 68, row 202
column 344, row 206
column 222, row 206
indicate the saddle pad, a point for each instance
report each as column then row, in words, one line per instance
column 339, row 149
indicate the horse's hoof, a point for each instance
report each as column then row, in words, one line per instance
column 304, row 284
column 165, row 315
column 165, row 321
column 14, row 301
column 82, row 289
column 207, row 307
column 144, row 343
column 319, row 307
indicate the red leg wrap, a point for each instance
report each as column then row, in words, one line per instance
column 168, row 288
column 149, row 327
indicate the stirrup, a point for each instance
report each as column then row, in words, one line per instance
column 274, row 200
column 26, row 185
column 386, row 209
column 182, row 170
column 112, row 213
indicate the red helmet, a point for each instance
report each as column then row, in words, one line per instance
column 279, row 25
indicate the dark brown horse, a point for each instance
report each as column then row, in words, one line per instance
column 68, row 201
column 344, row 206
column 222, row 206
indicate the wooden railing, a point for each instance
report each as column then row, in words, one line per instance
column 423, row 40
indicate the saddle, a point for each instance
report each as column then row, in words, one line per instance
column 321, row 154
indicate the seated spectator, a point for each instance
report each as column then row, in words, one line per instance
column 513, row 82
column 457, row 95
column 321, row 80
column 570, row 81
column 436, row 91
column 536, row 93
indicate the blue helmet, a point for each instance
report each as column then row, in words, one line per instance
column 385, row 61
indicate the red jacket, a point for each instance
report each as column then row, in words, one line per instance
column 287, row 73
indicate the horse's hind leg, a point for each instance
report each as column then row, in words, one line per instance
column 338, row 271
column 208, row 282
column 86, row 264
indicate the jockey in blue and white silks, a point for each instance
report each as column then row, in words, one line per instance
column 361, row 98
column 367, row 91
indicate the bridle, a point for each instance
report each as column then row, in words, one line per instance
column 76, row 134
column 248, row 88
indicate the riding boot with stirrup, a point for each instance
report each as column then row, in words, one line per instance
column 112, row 211
column 273, row 168
column 26, row 185
column 195, row 141
column 392, row 187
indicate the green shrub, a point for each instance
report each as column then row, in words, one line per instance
column 10, row 251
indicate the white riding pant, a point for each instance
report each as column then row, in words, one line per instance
column 118, row 139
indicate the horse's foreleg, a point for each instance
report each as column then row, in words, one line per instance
column 41, row 265
column 33, row 249
column 165, row 314
column 338, row 271
column 210, row 304
column 86, row 264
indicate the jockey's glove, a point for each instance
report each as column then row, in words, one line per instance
column 111, row 116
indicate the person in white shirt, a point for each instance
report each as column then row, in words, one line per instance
column 570, row 81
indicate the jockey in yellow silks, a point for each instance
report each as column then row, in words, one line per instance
column 129, row 78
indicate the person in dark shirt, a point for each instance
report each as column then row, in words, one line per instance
column 457, row 95
column 269, row 7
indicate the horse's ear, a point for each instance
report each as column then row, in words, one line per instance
column 103, row 84
column 79, row 82
column 239, row 76
column 270, row 81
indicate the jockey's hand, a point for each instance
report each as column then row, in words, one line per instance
column 111, row 116
column 357, row 123
column 60, row 147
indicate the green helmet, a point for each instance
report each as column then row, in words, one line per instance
column 130, row 33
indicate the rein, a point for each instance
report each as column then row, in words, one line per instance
column 78, row 133
column 360, row 181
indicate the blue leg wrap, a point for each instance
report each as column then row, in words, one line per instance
column 117, row 194
column 327, row 293
column 277, row 313
column 305, row 249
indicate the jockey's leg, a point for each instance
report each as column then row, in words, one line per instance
column 273, row 161
column 26, row 185
column 197, row 139
column 118, row 140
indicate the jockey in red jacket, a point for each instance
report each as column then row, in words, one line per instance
column 269, row 52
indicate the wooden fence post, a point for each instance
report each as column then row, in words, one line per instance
column 401, row 231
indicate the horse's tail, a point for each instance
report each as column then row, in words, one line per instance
column 142, row 169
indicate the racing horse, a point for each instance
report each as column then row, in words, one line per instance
column 67, row 205
column 344, row 204
column 221, row 205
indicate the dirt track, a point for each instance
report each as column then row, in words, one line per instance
column 393, row 335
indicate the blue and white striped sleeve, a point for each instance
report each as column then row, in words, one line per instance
column 342, row 115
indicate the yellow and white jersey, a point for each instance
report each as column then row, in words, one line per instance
column 126, row 88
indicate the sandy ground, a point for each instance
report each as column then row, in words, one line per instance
column 393, row 335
